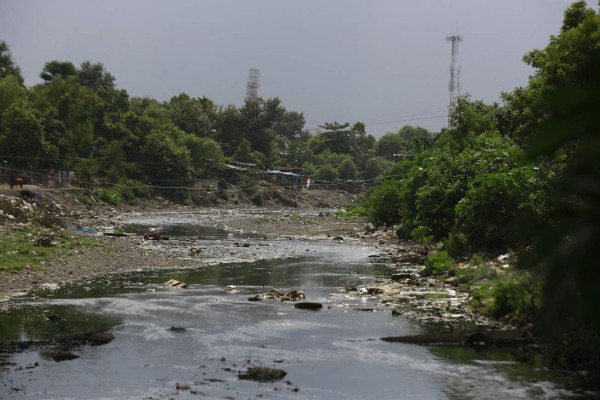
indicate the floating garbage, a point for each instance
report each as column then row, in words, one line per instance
column 84, row 229
column 174, row 283
column 283, row 296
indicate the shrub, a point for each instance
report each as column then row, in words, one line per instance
column 139, row 189
column 355, row 211
column 439, row 263
column 111, row 196
column 222, row 189
column 85, row 200
column 520, row 294
column 258, row 198
column 422, row 234
column 492, row 207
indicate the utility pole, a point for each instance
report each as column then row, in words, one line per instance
column 454, row 84
column 253, row 83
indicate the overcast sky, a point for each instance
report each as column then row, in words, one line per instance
column 342, row 60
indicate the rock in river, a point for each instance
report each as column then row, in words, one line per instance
column 307, row 305
column 63, row 355
column 100, row 338
column 263, row 374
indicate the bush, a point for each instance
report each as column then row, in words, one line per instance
column 422, row 234
column 222, row 189
column 521, row 294
column 111, row 196
column 489, row 213
column 249, row 184
column 85, row 200
column 355, row 211
column 439, row 263
column 258, row 198
column 140, row 190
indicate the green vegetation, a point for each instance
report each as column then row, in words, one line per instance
column 520, row 177
column 126, row 147
column 32, row 247
column 355, row 211
column 438, row 263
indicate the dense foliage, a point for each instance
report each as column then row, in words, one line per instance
column 78, row 121
column 520, row 177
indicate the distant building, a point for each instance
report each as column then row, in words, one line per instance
column 281, row 178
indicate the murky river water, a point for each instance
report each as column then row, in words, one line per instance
column 328, row 354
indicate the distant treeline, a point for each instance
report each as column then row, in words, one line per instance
column 78, row 120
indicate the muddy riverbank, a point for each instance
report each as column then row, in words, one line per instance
column 432, row 303
column 116, row 254
column 121, row 254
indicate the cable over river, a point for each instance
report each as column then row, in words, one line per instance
column 197, row 342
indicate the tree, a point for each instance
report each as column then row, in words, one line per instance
column 336, row 137
column 229, row 128
column 375, row 167
column 242, row 153
column 290, row 125
column 347, row 170
column 69, row 113
column 327, row 173
column 470, row 118
column 416, row 137
column 22, row 136
column 390, row 144
column 195, row 116
column 259, row 120
column 11, row 91
column 565, row 253
column 55, row 68
column 407, row 142
column 7, row 64
column 575, row 15
column 571, row 58
column 95, row 76
column 167, row 164
column 206, row 153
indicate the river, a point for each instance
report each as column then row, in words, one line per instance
column 327, row 354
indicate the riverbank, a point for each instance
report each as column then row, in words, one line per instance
column 435, row 304
column 118, row 254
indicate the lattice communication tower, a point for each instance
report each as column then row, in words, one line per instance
column 253, row 83
column 454, row 84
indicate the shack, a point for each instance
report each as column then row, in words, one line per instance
column 285, row 179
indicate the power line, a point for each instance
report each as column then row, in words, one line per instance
column 400, row 119
column 408, row 120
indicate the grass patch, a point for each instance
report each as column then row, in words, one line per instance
column 22, row 247
column 356, row 211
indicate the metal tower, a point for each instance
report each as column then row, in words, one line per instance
column 253, row 83
column 454, row 84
